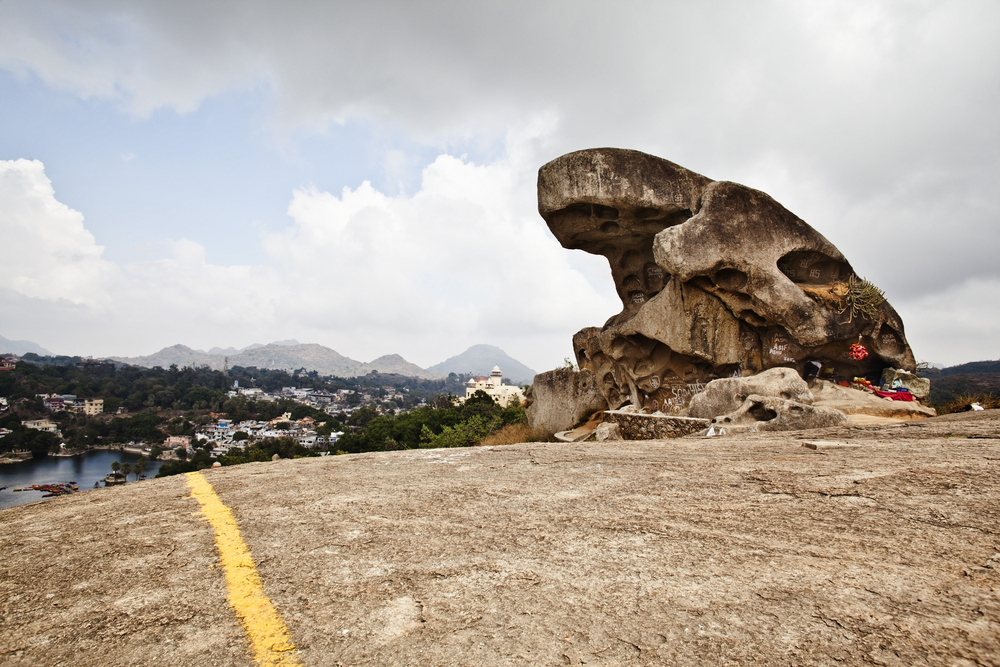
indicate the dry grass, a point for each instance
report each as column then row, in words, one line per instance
column 512, row 434
column 958, row 404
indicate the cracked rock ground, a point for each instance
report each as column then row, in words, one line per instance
column 750, row 549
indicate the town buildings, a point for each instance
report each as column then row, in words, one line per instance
column 70, row 403
column 503, row 394
column 46, row 425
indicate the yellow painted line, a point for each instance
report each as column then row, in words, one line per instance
column 270, row 640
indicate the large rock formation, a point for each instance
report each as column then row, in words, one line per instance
column 716, row 280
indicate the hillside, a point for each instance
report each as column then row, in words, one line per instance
column 310, row 356
column 948, row 388
column 965, row 380
column 971, row 367
column 284, row 355
column 181, row 355
column 740, row 550
column 20, row 347
column 393, row 363
column 290, row 355
column 480, row 360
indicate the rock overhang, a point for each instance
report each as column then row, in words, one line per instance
column 715, row 279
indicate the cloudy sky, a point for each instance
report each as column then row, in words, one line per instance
column 361, row 175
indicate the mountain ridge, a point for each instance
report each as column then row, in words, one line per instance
column 480, row 360
column 20, row 347
column 291, row 355
column 281, row 355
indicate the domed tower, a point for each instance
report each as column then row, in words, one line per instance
column 496, row 377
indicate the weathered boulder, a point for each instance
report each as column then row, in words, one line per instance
column 607, row 431
column 918, row 386
column 726, row 395
column 773, row 413
column 562, row 399
column 715, row 278
column 852, row 401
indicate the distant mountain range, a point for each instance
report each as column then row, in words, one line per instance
column 284, row 355
column 20, row 347
column 290, row 355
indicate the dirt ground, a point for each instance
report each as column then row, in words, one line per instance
column 880, row 546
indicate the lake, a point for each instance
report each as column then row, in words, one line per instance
column 84, row 469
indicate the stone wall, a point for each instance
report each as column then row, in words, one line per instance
column 636, row 426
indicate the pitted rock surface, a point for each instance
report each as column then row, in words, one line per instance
column 773, row 413
column 726, row 395
column 715, row 278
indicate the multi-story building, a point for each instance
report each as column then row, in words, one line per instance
column 88, row 406
column 175, row 441
column 69, row 402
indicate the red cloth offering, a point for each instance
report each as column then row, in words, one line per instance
column 894, row 395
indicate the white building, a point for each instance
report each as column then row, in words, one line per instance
column 493, row 385
column 46, row 425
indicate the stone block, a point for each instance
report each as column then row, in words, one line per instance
column 918, row 386
column 562, row 399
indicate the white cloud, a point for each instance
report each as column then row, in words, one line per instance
column 955, row 325
column 48, row 254
column 876, row 123
column 464, row 260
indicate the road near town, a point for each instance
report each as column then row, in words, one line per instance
column 856, row 545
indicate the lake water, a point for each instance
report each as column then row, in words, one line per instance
column 84, row 469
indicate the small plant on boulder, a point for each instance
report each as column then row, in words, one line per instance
column 862, row 298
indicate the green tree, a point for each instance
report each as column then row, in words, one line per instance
column 181, row 452
column 236, row 409
column 115, row 467
column 362, row 416
column 138, row 467
column 239, row 436
column 126, row 470
column 463, row 434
